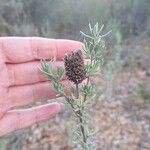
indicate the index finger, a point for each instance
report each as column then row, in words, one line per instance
column 24, row 49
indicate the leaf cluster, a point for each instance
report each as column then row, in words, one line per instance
column 81, row 95
column 52, row 75
column 94, row 48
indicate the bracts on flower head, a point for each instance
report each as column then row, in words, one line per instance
column 74, row 66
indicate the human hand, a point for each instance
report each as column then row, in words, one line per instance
column 22, row 83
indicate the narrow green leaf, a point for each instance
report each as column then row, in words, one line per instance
column 96, row 27
column 100, row 29
column 87, row 49
column 60, row 73
column 46, row 70
column 88, row 36
column 58, row 87
column 90, row 28
column 88, row 90
column 92, row 68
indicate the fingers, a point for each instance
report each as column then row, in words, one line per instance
column 2, row 95
column 4, row 80
column 18, row 119
column 24, row 49
column 27, row 94
column 27, row 73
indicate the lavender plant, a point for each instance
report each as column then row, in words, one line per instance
column 82, row 94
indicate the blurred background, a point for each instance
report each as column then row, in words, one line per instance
column 122, row 108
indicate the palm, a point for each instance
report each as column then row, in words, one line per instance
column 22, row 83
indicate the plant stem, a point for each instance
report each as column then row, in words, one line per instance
column 85, row 95
column 84, row 99
column 77, row 91
column 82, row 128
column 91, row 61
column 79, row 114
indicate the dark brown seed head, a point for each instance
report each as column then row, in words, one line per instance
column 74, row 67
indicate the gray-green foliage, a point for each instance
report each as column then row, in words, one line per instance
column 95, row 48
column 49, row 18
column 82, row 95
column 48, row 70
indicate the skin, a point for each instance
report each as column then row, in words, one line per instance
column 22, row 83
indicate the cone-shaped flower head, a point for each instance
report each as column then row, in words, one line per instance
column 74, row 67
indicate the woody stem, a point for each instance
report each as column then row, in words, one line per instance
column 77, row 91
column 80, row 116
